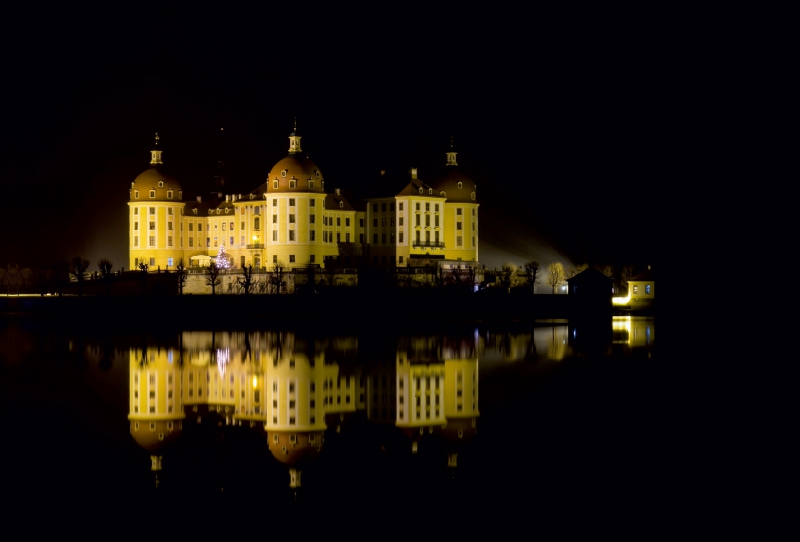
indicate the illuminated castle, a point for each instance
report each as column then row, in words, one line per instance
column 293, row 220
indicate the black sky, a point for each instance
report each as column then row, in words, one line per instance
column 559, row 124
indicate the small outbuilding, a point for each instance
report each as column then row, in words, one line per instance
column 590, row 291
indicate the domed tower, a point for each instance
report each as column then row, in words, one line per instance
column 295, row 206
column 460, row 211
column 156, row 210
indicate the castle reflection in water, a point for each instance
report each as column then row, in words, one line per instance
column 293, row 391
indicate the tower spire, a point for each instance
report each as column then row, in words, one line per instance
column 294, row 141
column 451, row 154
column 155, row 154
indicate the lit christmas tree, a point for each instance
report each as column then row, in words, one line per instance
column 222, row 258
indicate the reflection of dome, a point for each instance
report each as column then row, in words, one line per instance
column 153, row 435
column 305, row 174
column 295, row 449
column 460, row 430
column 456, row 186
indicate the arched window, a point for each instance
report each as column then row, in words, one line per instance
column 460, row 185
column 152, row 193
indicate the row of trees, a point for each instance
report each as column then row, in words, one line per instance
column 509, row 274
column 54, row 277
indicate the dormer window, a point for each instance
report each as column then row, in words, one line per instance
column 180, row 194
column 152, row 193
column 226, row 210
column 136, row 194
column 310, row 184
column 218, row 210
column 161, row 184
column 292, row 183
column 473, row 196
column 430, row 191
column 460, row 185
column 252, row 196
column 316, row 174
column 283, row 173
column 275, row 184
column 420, row 190
column 194, row 211
column 169, row 194
column 341, row 206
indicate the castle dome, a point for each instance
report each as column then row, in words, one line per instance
column 153, row 184
column 295, row 173
column 456, row 187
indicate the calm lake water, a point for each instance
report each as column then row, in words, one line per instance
column 544, row 418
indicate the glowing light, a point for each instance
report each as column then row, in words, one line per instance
column 222, row 360
column 621, row 300
column 255, row 381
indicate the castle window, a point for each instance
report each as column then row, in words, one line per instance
column 275, row 236
column 458, row 211
column 316, row 174
column 169, row 194
column 459, row 184
column 383, row 207
column 180, row 194
column 311, row 219
column 195, row 212
column 136, row 241
column 274, row 219
column 311, row 237
column 291, row 235
column 136, row 194
column 152, row 225
column 420, row 190
column 135, row 225
column 291, row 202
column 136, row 210
column 647, row 289
column 417, row 207
column 152, row 264
column 283, row 173
column 347, row 222
column 256, row 223
column 191, row 242
column 310, row 185
column 291, row 219
column 275, row 184
column 257, row 210
column 291, row 256
column 292, row 183
column 312, row 203
column 636, row 289
column 341, row 204
column 152, row 193
column 430, row 190
column 161, row 184
column 152, row 210
column 400, row 206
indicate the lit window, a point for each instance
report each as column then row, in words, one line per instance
column 292, row 183
column 647, row 289
column 152, row 210
column 283, row 173
column 291, row 202
column 275, row 184
column 635, row 289
column 291, row 219
column 459, row 184
column 152, row 193
column 291, row 235
column 136, row 194
column 169, row 194
column 291, row 260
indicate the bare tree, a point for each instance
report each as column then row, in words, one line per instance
column 25, row 277
column 44, row 277
column 626, row 275
column 60, row 276
column 105, row 266
column 472, row 276
column 246, row 280
column 556, row 275
column 531, row 270
column 508, row 275
column 78, row 269
column 212, row 279
column 182, row 275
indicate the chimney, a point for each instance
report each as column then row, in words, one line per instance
column 338, row 191
column 199, row 199
column 413, row 172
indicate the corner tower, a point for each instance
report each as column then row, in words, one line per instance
column 156, row 208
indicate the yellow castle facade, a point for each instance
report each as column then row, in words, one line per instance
column 294, row 220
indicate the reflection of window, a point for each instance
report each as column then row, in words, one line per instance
column 647, row 289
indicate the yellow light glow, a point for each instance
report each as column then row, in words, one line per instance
column 255, row 238
column 621, row 300
column 255, row 381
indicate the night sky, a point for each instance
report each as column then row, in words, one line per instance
column 558, row 122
